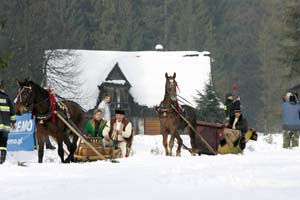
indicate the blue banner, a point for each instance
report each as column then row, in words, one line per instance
column 22, row 138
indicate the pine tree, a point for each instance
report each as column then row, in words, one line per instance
column 208, row 105
column 290, row 41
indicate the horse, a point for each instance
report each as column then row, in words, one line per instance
column 33, row 98
column 169, row 112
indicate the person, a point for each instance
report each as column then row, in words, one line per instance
column 7, row 121
column 104, row 107
column 95, row 126
column 238, row 122
column 290, row 120
column 228, row 106
column 118, row 131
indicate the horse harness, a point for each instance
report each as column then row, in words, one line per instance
column 52, row 106
column 169, row 108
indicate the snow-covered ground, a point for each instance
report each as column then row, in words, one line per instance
column 264, row 171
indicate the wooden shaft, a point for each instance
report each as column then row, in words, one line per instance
column 189, row 124
column 79, row 135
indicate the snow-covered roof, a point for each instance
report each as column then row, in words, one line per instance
column 145, row 70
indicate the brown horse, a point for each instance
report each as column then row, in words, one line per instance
column 31, row 97
column 170, row 121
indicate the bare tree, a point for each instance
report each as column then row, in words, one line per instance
column 61, row 72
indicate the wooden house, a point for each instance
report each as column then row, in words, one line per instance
column 136, row 81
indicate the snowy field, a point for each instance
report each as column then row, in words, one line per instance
column 264, row 171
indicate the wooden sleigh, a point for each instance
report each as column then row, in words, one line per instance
column 219, row 139
column 85, row 153
column 92, row 149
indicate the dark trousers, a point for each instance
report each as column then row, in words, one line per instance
column 3, row 140
column 3, row 145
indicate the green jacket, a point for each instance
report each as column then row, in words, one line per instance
column 90, row 127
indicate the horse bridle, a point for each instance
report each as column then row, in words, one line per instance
column 172, row 85
column 19, row 96
column 31, row 105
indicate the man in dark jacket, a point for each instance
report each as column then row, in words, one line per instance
column 238, row 122
column 230, row 102
column 7, row 121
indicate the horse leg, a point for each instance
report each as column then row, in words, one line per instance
column 41, row 136
column 71, row 146
column 192, row 138
column 74, row 146
column 180, row 142
column 60, row 149
column 165, row 140
column 172, row 139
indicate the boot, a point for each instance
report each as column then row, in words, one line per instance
column 48, row 144
column 2, row 156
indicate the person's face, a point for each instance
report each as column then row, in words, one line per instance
column 119, row 117
column 107, row 99
column 98, row 116
column 237, row 114
column 230, row 97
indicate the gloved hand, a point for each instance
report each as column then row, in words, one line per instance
column 223, row 142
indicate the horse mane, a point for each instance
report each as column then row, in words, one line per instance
column 42, row 90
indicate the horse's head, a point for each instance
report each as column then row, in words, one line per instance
column 171, row 86
column 25, row 96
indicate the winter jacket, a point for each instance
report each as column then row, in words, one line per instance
column 290, row 116
column 7, row 113
column 241, row 124
column 230, row 106
column 125, row 131
column 227, row 107
column 90, row 127
column 104, row 107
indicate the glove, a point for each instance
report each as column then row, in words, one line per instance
column 222, row 142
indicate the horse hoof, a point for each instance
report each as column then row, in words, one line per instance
column 178, row 155
column 66, row 161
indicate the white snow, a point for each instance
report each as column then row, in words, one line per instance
column 265, row 171
column 145, row 71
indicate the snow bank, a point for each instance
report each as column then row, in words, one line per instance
column 264, row 171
